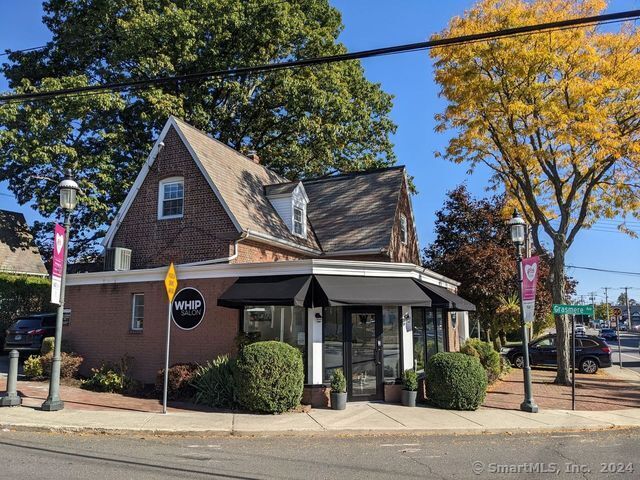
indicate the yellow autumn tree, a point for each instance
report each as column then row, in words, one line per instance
column 554, row 115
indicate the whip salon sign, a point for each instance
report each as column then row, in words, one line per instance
column 188, row 308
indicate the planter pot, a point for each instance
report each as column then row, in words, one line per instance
column 409, row 398
column 338, row 401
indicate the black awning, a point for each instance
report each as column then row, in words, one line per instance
column 289, row 290
column 441, row 297
column 338, row 290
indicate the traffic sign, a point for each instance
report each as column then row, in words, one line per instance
column 560, row 309
column 171, row 282
column 617, row 312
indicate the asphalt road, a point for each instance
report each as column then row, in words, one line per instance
column 563, row 455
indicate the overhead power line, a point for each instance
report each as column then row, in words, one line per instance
column 411, row 47
column 594, row 269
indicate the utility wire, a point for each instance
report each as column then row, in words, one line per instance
column 411, row 47
column 603, row 270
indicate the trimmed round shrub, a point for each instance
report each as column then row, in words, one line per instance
column 69, row 364
column 488, row 356
column 455, row 381
column 179, row 381
column 269, row 377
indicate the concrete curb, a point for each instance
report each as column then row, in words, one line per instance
column 105, row 430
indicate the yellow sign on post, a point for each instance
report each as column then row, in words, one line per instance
column 171, row 282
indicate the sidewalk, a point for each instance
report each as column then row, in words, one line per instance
column 357, row 419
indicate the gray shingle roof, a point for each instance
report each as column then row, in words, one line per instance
column 354, row 211
column 18, row 253
column 351, row 211
column 241, row 182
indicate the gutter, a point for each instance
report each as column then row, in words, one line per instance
column 243, row 236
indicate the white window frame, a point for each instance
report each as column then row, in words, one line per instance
column 164, row 182
column 404, row 229
column 134, row 325
column 303, row 221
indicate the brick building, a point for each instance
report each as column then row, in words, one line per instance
column 328, row 265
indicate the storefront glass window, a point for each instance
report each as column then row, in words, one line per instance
column 332, row 338
column 391, row 343
column 285, row 324
column 418, row 339
column 430, row 333
column 440, row 329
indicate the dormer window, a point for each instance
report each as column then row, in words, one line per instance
column 171, row 198
column 403, row 229
column 298, row 220
column 290, row 202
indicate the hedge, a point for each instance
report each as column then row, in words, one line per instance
column 22, row 294
column 269, row 377
column 455, row 381
column 488, row 356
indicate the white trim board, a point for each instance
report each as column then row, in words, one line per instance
column 295, row 267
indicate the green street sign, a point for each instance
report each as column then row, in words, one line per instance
column 559, row 309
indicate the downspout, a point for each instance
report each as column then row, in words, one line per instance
column 243, row 235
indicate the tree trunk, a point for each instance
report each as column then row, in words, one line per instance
column 562, row 326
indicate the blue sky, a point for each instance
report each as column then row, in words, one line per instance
column 409, row 77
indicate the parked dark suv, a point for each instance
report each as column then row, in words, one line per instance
column 592, row 353
column 26, row 333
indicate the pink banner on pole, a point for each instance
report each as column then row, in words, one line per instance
column 529, row 277
column 57, row 263
column 529, row 282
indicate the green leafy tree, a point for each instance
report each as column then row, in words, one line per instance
column 473, row 245
column 303, row 122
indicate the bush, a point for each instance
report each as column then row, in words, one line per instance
column 69, row 364
column 111, row 378
column 48, row 343
column 410, row 380
column 33, row 367
column 338, row 382
column 455, row 381
column 269, row 377
column 104, row 379
column 215, row 384
column 488, row 356
column 178, row 380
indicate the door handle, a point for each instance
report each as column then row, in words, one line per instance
column 378, row 356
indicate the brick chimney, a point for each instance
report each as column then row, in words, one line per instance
column 253, row 155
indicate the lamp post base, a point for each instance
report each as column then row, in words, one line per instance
column 10, row 401
column 52, row 405
column 530, row 407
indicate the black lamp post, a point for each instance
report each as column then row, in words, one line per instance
column 68, row 200
column 517, row 225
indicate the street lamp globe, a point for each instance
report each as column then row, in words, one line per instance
column 68, row 192
column 517, row 228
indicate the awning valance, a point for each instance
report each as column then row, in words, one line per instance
column 441, row 297
column 288, row 290
column 340, row 290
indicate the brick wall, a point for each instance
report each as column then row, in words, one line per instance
column 99, row 329
column 204, row 232
column 398, row 251
column 250, row 251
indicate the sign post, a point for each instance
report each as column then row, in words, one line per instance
column 573, row 362
column 573, row 310
column 171, row 284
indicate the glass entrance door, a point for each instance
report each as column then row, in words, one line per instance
column 365, row 345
